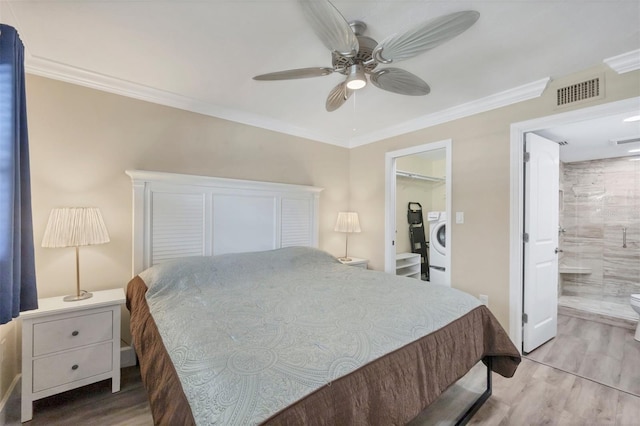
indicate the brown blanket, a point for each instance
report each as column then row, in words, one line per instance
column 390, row 390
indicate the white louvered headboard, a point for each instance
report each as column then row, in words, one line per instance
column 177, row 215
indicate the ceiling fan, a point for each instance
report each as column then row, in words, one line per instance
column 355, row 55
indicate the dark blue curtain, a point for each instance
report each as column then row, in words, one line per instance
column 17, row 266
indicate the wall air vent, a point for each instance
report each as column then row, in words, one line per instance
column 626, row 141
column 588, row 89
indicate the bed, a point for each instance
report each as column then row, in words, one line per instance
column 277, row 331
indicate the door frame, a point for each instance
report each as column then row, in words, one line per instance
column 516, row 216
column 390, row 200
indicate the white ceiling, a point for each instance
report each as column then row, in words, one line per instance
column 202, row 55
column 596, row 138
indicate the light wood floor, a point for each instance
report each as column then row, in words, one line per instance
column 542, row 395
column 91, row 405
column 538, row 394
column 593, row 350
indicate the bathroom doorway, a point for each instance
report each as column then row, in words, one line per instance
column 543, row 126
column 598, row 243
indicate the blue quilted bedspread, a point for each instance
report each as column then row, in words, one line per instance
column 252, row 333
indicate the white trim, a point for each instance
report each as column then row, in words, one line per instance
column 12, row 392
column 390, row 199
column 516, row 228
column 58, row 71
column 498, row 100
column 626, row 62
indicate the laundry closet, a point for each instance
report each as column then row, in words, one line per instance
column 420, row 190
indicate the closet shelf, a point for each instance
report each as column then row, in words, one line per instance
column 408, row 265
column 412, row 175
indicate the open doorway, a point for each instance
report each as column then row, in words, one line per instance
column 419, row 179
column 518, row 131
column 421, row 207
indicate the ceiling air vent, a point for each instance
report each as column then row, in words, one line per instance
column 626, row 141
column 579, row 92
column 563, row 143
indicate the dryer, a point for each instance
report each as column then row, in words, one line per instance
column 438, row 247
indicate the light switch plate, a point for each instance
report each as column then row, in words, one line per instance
column 459, row 217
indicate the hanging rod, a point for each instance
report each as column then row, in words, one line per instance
column 419, row 176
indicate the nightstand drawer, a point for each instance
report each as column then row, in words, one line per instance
column 71, row 366
column 74, row 332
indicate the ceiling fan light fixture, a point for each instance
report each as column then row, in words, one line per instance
column 356, row 78
column 353, row 54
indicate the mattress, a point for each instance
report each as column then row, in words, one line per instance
column 292, row 336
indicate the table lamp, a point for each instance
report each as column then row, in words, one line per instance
column 75, row 227
column 347, row 222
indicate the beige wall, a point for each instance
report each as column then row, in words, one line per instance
column 480, row 186
column 9, row 360
column 82, row 141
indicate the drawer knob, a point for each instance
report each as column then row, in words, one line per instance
column 75, row 367
column 75, row 333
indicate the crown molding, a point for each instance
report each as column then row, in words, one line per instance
column 626, row 62
column 498, row 100
column 59, row 71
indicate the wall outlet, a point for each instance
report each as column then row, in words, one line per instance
column 484, row 299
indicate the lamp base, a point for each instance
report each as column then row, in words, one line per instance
column 345, row 259
column 74, row 298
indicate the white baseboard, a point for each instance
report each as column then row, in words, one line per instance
column 127, row 356
column 11, row 393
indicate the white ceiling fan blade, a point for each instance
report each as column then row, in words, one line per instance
column 424, row 37
column 294, row 74
column 338, row 96
column 330, row 26
column 399, row 81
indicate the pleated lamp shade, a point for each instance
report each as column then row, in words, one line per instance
column 347, row 222
column 75, row 226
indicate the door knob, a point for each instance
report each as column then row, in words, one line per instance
column 557, row 250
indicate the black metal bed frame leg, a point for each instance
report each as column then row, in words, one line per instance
column 481, row 399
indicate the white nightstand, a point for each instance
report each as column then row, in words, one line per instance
column 66, row 345
column 360, row 263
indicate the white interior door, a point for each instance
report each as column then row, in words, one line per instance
column 540, row 304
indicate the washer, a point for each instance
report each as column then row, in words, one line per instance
column 438, row 247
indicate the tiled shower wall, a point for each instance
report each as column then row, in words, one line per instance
column 599, row 198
